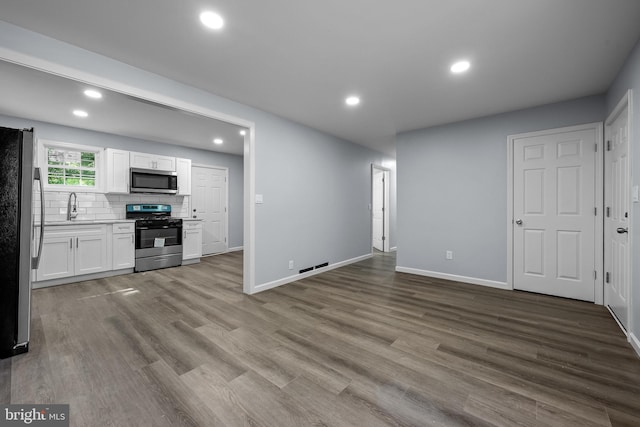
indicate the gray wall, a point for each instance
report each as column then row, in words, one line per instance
column 316, row 188
column 629, row 78
column 85, row 137
column 452, row 188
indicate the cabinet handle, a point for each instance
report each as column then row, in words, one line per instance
column 77, row 242
column 71, row 243
column 185, row 234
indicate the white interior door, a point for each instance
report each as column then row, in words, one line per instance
column 616, row 218
column 209, row 203
column 377, row 207
column 554, row 182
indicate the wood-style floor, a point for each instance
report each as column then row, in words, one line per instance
column 357, row 346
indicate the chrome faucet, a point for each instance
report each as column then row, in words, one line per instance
column 72, row 211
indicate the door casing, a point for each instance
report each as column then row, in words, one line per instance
column 599, row 181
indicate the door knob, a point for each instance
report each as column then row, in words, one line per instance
column 519, row 221
column 195, row 216
column 621, row 230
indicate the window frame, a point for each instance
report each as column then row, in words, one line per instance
column 43, row 163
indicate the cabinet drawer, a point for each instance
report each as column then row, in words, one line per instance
column 191, row 225
column 120, row 228
column 74, row 230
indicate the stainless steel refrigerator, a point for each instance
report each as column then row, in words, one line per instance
column 17, row 176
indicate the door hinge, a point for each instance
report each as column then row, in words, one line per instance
column 608, row 211
column 384, row 238
column 595, row 275
column 595, row 211
column 607, row 277
column 596, row 147
column 626, row 214
column 608, row 145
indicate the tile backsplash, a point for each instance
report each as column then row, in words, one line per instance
column 98, row 206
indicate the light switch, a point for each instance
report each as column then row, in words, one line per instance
column 259, row 199
column 635, row 194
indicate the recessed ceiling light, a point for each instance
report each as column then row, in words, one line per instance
column 460, row 67
column 93, row 94
column 243, row 132
column 218, row 141
column 80, row 113
column 211, row 20
column 352, row 101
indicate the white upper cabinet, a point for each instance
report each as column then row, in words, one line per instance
column 152, row 161
column 117, row 171
column 183, row 168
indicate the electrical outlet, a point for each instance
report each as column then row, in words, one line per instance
column 291, row 265
column 449, row 255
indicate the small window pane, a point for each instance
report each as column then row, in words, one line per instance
column 55, row 180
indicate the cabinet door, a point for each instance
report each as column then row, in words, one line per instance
column 57, row 258
column 117, row 173
column 183, row 167
column 91, row 254
column 192, row 242
column 141, row 160
column 165, row 163
column 123, row 251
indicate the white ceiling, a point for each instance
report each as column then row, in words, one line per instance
column 300, row 59
column 36, row 95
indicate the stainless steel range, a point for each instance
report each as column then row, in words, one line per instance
column 158, row 236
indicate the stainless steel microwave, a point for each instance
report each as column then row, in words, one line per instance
column 153, row 181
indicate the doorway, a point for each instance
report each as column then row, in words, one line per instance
column 380, row 208
column 209, row 203
column 555, row 231
column 617, row 217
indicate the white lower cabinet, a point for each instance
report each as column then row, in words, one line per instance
column 124, row 247
column 56, row 260
column 74, row 250
column 191, row 240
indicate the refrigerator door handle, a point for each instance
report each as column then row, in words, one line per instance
column 35, row 261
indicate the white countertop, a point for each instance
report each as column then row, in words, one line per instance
column 85, row 222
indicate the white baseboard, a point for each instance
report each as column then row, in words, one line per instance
column 284, row 281
column 236, row 249
column 82, row 278
column 635, row 342
column 455, row 278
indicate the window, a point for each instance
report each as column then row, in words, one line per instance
column 71, row 166
column 67, row 167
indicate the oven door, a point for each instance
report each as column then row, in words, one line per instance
column 158, row 240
